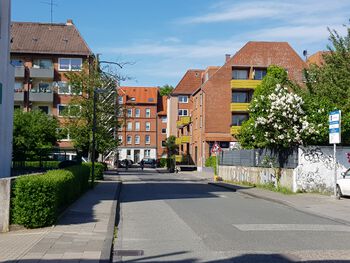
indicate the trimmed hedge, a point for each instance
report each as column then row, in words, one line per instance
column 99, row 169
column 38, row 199
column 211, row 162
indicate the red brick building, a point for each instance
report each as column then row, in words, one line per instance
column 162, row 121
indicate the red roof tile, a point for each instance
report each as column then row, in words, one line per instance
column 44, row 38
column 143, row 95
column 162, row 105
column 317, row 58
column 189, row 82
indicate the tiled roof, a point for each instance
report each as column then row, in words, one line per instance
column 162, row 105
column 264, row 54
column 189, row 82
column 44, row 38
column 144, row 95
column 317, row 58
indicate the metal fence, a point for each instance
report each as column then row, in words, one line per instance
column 260, row 158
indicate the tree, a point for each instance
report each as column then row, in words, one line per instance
column 33, row 132
column 328, row 87
column 171, row 149
column 277, row 117
column 80, row 120
column 166, row 90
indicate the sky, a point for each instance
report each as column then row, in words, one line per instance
column 159, row 40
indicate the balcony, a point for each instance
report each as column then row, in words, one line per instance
column 178, row 141
column 44, row 73
column 41, row 95
column 19, row 96
column 235, row 106
column 178, row 158
column 184, row 120
column 185, row 139
column 19, row 72
column 244, row 83
column 235, row 130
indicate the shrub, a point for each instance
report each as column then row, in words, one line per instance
column 211, row 162
column 162, row 162
column 39, row 199
column 99, row 169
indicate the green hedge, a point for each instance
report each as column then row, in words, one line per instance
column 99, row 169
column 162, row 162
column 37, row 200
column 211, row 162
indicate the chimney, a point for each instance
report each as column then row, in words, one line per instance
column 69, row 22
column 227, row 57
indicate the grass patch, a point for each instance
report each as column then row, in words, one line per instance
column 268, row 186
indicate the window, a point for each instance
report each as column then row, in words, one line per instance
column 147, row 153
column 183, row 112
column 70, row 64
column 120, row 100
column 240, row 74
column 238, row 119
column 44, row 109
column 128, row 139
column 163, row 144
column 137, row 139
column 62, row 110
column 129, row 126
column 164, row 130
column 148, row 126
column 63, row 134
column 128, row 154
column 164, row 119
column 137, row 113
column 259, row 73
column 137, row 126
column 42, row 87
column 120, row 138
column 17, row 62
column 148, row 139
column 129, row 112
column 18, row 86
column 183, row 99
column 242, row 96
column 70, row 111
column 148, row 113
column 42, row 63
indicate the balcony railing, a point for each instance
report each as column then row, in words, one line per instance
column 41, row 95
column 19, row 72
column 19, row 96
column 244, row 83
column 182, row 140
column 184, row 120
column 178, row 141
column 45, row 73
column 235, row 130
column 236, row 106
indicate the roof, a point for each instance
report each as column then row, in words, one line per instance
column 189, row 82
column 162, row 105
column 142, row 95
column 317, row 58
column 46, row 38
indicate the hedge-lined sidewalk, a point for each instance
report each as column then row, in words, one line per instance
column 84, row 232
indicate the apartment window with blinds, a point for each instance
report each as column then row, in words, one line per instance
column 129, row 112
column 137, row 113
column 238, row 119
column 128, row 139
column 148, row 139
column 148, row 113
column 129, row 126
column 148, row 126
column 137, row 139
column 147, row 153
column 137, row 126
column 240, row 74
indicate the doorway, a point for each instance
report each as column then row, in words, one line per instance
column 137, row 156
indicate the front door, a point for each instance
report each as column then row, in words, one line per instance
column 136, row 156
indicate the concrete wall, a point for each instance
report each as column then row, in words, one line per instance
column 315, row 171
column 5, row 191
column 256, row 175
column 7, row 74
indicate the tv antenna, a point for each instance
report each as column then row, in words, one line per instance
column 51, row 3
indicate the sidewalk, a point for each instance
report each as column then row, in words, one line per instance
column 317, row 204
column 84, row 232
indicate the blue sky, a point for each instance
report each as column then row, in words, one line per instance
column 164, row 38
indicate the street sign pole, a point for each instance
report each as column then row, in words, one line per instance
column 334, row 138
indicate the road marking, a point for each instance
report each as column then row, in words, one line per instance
column 292, row 227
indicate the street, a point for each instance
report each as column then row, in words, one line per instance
column 180, row 218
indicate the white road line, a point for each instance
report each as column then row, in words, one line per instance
column 292, row 227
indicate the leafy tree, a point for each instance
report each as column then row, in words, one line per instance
column 80, row 122
column 171, row 146
column 32, row 132
column 166, row 90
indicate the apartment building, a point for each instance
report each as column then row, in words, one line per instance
column 221, row 102
column 162, row 121
column 6, row 91
column 138, row 134
column 179, row 107
column 42, row 54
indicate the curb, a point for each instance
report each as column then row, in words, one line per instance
column 281, row 202
column 106, row 253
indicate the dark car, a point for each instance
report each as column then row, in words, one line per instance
column 148, row 162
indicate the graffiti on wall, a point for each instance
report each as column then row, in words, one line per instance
column 316, row 155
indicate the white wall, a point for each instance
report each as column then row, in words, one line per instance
column 315, row 170
column 122, row 153
column 7, row 80
column 172, row 112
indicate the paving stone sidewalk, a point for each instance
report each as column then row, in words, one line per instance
column 83, row 233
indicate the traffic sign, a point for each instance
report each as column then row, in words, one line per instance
column 335, row 127
column 216, row 148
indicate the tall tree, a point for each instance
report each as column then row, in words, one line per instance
column 166, row 90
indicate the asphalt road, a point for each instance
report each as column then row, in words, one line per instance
column 180, row 218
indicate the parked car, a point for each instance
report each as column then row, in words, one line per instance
column 148, row 162
column 343, row 184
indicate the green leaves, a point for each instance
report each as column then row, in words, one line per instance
column 166, row 90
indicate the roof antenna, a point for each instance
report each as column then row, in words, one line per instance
column 305, row 54
column 51, row 4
